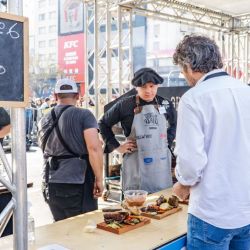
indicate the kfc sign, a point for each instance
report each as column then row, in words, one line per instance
column 71, row 56
column 71, row 44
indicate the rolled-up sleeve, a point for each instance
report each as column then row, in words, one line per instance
column 190, row 146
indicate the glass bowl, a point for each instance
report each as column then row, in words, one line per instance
column 135, row 197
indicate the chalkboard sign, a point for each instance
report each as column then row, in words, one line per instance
column 13, row 60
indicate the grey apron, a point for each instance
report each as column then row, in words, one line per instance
column 148, row 168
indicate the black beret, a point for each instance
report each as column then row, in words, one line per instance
column 145, row 75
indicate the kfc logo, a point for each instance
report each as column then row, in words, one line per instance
column 71, row 44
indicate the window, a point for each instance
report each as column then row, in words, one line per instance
column 52, row 15
column 42, row 30
column 41, row 17
column 41, row 57
column 42, row 44
column 41, row 3
column 52, row 43
column 52, row 56
column 52, row 29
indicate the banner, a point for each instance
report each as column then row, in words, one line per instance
column 70, row 17
column 71, row 56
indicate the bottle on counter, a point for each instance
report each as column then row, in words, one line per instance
column 31, row 225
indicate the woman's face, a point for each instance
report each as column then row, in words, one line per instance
column 148, row 91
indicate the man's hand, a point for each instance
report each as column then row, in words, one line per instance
column 181, row 191
column 98, row 188
column 127, row 147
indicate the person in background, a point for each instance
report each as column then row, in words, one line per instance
column 73, row 172
column 149, row 123
column 53, row 102
column 213, row 149
column 46, row 104
column 38, row 103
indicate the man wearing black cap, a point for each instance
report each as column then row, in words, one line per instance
column 149, row 123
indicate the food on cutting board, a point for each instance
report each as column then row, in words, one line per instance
column 161, row 205
column 111, row 210
column 173, row 201
column 120, row 218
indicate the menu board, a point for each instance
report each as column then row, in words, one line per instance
column 13, row 60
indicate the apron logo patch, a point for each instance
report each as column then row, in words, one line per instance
column 148, row 161
column 143, row 137
column 163, row 158
column 150, row 119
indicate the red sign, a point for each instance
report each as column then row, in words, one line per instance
column 71, row 56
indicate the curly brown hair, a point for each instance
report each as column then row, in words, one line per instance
column 199, row 52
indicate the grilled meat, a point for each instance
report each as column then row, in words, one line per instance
column 161, row 200
column 118, row 217
column 173, row 201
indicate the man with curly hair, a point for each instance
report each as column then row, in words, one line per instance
column 213, row 148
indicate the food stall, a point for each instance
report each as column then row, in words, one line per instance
column 70, row 233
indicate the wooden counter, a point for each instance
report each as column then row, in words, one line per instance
column 70, row 234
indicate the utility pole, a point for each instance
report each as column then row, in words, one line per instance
column 19, row 171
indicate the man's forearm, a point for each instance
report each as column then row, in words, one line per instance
column 96, row 162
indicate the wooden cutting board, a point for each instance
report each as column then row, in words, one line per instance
column 185, row 202
column 161, row 216
column 123, row 229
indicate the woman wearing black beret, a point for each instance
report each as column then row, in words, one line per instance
column 149, row 124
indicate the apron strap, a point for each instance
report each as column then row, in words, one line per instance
column 138, row 108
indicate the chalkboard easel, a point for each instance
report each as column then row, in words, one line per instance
column 14, row 60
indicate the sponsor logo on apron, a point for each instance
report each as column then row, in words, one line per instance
column 138, row 137
column 148, row 160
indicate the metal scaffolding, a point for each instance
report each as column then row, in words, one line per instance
column 110, row 38
column 109, row 31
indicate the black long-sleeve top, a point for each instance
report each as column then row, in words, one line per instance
column 123, row 111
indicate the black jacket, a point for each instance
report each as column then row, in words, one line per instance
column 123, row 111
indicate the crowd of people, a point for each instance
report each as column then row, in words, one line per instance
column 212, row 133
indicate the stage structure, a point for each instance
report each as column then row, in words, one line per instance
column 108, row 26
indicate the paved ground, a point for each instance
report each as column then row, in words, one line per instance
column 40, row 210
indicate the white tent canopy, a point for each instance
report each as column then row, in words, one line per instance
column 234, row 8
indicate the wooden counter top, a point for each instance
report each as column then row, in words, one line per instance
column 70, row 233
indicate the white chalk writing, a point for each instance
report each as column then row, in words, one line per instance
column 2, row 70
column 11, row 32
